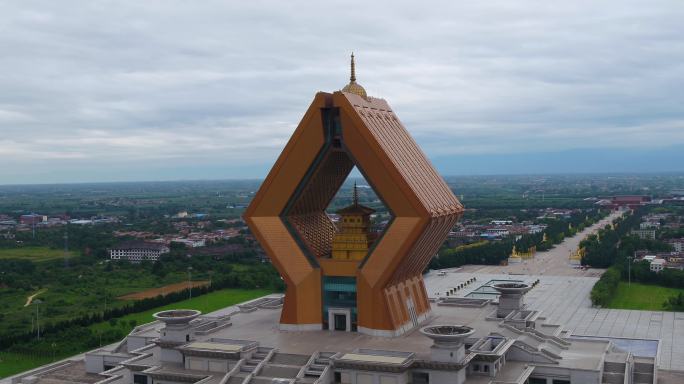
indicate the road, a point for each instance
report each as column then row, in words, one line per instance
column 553, row 262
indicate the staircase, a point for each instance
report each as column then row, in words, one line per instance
column 257, row 357
column 613, row 373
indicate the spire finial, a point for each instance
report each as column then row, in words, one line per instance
column 352, row 78
column 356, row 195
column 353, row 86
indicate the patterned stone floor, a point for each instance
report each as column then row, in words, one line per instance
column 565, row 300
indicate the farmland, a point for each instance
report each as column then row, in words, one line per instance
column 165, row 290
column 34, row 254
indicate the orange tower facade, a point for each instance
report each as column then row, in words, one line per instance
column 378, row 290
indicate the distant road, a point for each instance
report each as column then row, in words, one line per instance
column 553, row 262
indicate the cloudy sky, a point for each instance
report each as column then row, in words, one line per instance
column 164, row 90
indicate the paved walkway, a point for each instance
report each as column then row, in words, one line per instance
column 565, row 300
column 563, row 297
column 552, row 262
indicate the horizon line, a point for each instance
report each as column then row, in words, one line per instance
column 602, row 173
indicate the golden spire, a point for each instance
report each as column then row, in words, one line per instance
column 356, row 192
column 353, row 87
column 352, row 78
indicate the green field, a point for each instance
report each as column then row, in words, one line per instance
column 13, row 363
column 205, row 303
column 35, row 254
column 75, row 292
column 641, row 296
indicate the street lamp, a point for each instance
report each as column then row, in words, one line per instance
column 629, row 270
column 190, row 282
column 37, row 302
column 206, row 297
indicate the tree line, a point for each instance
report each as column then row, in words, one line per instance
column 258, row 277
column 494, row 252
column 614, row 248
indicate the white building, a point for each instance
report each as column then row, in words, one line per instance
column 495, row 232
column 138, row 251
column 181, row 215
column 657, row 265
column 677, row 244
column 501, row 222
column 191, row 243
column 536, row 228
column 649, row 225
column 644, row 234
column 80, row 222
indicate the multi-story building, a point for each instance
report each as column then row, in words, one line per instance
column 649, row 225
column 657, row 265
column 677, row 244
column 627, row 201
column 137, row 251
column 32, row 219
column 191, row 243
column 644, row 234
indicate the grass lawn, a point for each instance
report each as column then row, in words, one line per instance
column 205, row 303
column 642, row 296
column 35, row 254
column 13, row 363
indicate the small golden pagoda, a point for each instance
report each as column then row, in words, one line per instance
column 353, row 238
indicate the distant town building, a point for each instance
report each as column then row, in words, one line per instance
column 644, row 234
column 501, row 222
column 7, row 224
column 649, row 225
column 657, row 265
column 627, row 201
column 191, row 243
column 670, row 260
column 677, row 244
column 495, row 233
column 53, row 221
column 536, row 228
column 32, row 219
column 137, row 251
column 81, row 222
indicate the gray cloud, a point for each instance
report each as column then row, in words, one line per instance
column 115, row 85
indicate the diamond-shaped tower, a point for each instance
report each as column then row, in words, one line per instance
column 383, row 292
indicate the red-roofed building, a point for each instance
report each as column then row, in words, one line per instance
column 626, row 201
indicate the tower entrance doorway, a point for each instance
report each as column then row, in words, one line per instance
column 340, row 322
column 339, row 319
